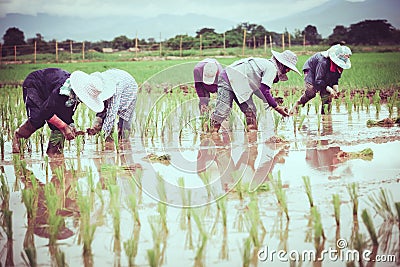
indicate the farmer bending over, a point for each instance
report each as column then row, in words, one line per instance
column 206, row 81
column 121, row 101
column 244, row 77
column 322, row 72
column 51, row 96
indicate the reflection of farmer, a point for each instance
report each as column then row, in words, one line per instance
column 216, row 150
column 245, row 168
column 322, row 158
column 51, row 96
column 206, row 81
column 244, row 77
column 322, row 72
column 121, row 101
column 69, row 208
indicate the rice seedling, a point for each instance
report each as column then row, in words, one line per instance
column 370, row 226
column 206, row 179
column 86, row 227
column 202, row 237
column 221, row 203
column 57, row 256
column 115, row 213
column 6, row 223
column 246, row 252
column 131, row 246
column 382, row 204
column 279, row 193
column 307, row 186
column 301, row 121
column 155, row 255
column 336, row 208
column 2, row 145
column 54, row 220
column 376, row 100
column 161, row 206
column 253, row 221
column 352, row 189
column 317, row 226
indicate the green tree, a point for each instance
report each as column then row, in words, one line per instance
column 340, row 34
column 371, row 32
column 122, row 43
column 13, row 36
column 311, row 34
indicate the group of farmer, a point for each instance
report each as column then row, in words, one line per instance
column 51, row 95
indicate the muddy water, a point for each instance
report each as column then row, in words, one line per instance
column 232, row 157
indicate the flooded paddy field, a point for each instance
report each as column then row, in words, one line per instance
column 297, row 192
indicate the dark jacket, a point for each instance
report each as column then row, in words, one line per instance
column 41, row 92
column 318, row 72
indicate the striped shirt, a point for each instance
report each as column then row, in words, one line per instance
column 123, row 102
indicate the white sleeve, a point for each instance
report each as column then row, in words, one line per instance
column 269, row 74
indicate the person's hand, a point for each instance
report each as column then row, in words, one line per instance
column 331, row 91
column 96, row 127
column 295, row 109
column 68, row 131
column 204, row 109
column 282, row 110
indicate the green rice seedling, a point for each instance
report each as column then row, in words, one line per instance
column 246, row 252
column 162, row 207
column 116, row 214
column 202, row 236
column 280, row 193
column 30, row 200
column 239, row 187
column 57, row 256
column 181, row 184
column 301, row 121
column 352, row 189
column 132, row 202
column 307, row 186
column 224, row 253
column 376, row 100
column 86, row 227
column 221, row 202
column 154, row 255
column 7, row 213
column 2, row 145
column 317, row 225
column 336, row 208
column 131, row 246
column 382, row 203
column 53, row 204
column 277, row 121
column 370, row 226
column 319, row 119
column 206, row 179
column 116, row 141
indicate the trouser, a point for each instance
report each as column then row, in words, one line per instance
column 223, row 107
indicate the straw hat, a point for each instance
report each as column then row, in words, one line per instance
column 287, row 58
column 210, row 71
column 109, row 85
column 340, row 55
column 88, row 89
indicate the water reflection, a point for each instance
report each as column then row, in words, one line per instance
column 251, row 162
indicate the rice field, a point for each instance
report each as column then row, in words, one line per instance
column 309, row 190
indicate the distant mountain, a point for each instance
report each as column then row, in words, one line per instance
column 80, row 29
column 325, row 17
column 338, row 12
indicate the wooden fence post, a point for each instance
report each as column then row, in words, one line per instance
column 265, row 44
column 15, row 54
column 224, row 43
column 160, row 46
column 283, row 41
column 244, row 42
column 290, row 46
column 136, row 46
column 70, row 48
column 201, row 46
column 34, row 53
column 270, row 41
column 180, row 47
column 56, row 51
column 83, row 51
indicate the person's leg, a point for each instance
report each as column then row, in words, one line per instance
column 26, row 129
column 223, row 106
column 250, row 111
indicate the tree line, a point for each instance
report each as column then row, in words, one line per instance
column 367, row 32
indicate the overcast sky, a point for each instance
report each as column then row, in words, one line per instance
column 235, row 10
